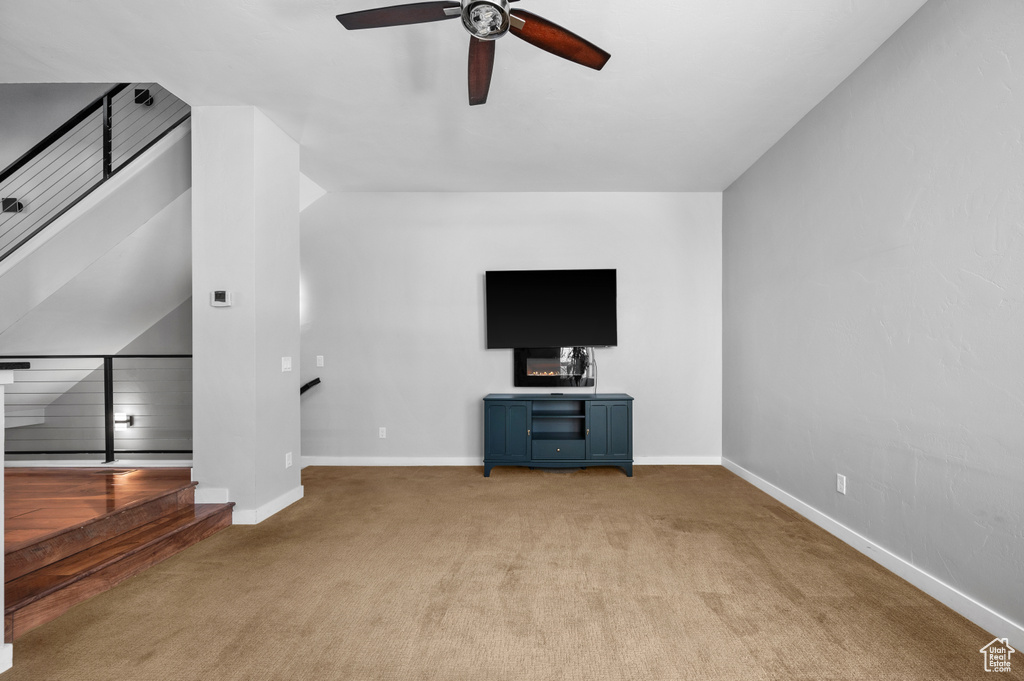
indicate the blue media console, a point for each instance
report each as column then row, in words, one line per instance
column 558, row 431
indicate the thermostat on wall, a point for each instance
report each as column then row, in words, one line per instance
column 220, row 298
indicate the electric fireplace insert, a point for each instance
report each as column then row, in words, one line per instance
column 553, row 367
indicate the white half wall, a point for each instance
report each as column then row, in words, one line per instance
column 874, row 305
column 393, row 299
column 99, row 306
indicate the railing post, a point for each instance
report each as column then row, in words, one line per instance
column 108, row 135
column 108, row 407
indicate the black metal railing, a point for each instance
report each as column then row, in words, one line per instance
column 99, row 404
column 80, row 155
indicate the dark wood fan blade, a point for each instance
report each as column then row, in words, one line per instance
column 549, row 36
column 481, row 65
column 398, row 15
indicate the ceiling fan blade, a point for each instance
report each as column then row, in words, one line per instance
column 549, row 36
column 481, row 65
column 398, row 15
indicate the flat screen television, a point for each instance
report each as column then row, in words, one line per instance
column 550, row 308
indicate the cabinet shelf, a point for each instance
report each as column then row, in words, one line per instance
column 559, row 416
column 564, row 408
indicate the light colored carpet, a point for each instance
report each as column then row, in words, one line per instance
column 440, row 573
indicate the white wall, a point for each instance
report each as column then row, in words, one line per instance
column 114, row 298
column 31, row 111
column 245, row 239
column 276, row 297
column 874, row 306
column 392, row 297
column 172, row 335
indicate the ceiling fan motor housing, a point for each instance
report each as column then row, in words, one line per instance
column 486, row 19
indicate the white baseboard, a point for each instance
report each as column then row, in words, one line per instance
column 677, row 461
column 984, row 617
column 85, row 463
column 476, row 461
column 392, row 461
column 6, row 657
column 258, row 515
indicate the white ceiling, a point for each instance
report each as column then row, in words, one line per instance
column 695, row 91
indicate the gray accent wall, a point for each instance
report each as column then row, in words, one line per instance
column 874, row 302
column 393, row 298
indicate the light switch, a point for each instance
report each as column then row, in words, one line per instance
column 286, row 364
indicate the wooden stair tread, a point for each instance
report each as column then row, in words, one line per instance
column 51, row 578
column 28, row 556
column 42, row 505
column 11, row 548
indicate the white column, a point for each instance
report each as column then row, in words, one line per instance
column 7, row 651
column 245, row 240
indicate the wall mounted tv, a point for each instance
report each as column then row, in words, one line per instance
column 550, row 308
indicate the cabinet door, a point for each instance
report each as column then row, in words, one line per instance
column 597, row 430
column 609, row 435
column 506, row 430
column 518, row 430
column 619, row 437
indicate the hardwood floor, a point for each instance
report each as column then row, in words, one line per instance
column 40, row 502
column 72, row 533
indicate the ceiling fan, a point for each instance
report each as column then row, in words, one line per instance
column 486, row 21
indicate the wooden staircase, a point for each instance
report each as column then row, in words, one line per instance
column 48, row 575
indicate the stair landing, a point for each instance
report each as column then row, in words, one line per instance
column 71, row 533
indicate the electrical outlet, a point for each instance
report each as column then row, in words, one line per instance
column 287, row 459
column 841, row 483
column 286, row 364
column 382, row 433
column 319, row 360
